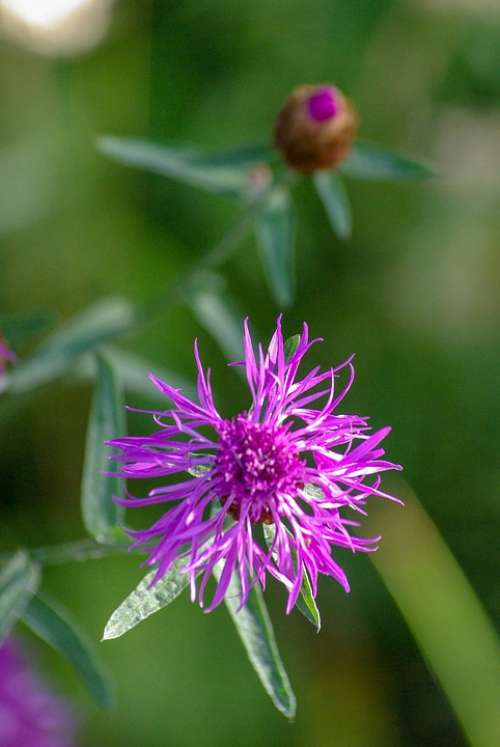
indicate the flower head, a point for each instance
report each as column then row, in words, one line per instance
column 315, row 128
column 30, row 715
column 306, row 471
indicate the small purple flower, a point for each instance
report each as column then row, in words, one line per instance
column 323, row 104
column 305, row 471
column 30, row 715
column 6, row 355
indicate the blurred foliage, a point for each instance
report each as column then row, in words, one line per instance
column 415, row 293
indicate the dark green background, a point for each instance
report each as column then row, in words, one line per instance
column 415, row 294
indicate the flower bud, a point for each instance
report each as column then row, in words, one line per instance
column 315, row 128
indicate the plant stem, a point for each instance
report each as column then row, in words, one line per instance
column 177, row 291
column 79, row 550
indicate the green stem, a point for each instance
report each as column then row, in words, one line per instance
column 85, row 549
column 220, row 253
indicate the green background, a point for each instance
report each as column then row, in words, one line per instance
column 415, row 294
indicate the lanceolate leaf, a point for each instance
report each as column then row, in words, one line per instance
column 78, row 551
column 275, row 228
column 291, row 345
column 246, row 154
column 218, row 316
column 145, row 600
column 305, row 602
column 54, row 625
column 102, row 516
column 19, row 580
column 221, row 175
column 256, row 632
column 134, row 370
column 99, row 323
column 368, row 161
column 335, row 201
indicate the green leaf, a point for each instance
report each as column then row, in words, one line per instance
column 99, row 323
column 220, row 318
column 54, row 625
column 134, row 373
column 17, row 327
column 221, row 176
column 305, row 602
column 335, row 201
column 368, row 161
column 256, row 632
column 78, row 551
column 101, row 515
column 291, row 345
column 275, row 227
column 19, row 580
column 246, row 154
column 145, row 600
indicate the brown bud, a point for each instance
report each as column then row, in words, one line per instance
column 315, row 128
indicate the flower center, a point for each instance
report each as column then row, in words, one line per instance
column 256, row 464
column 323, row 104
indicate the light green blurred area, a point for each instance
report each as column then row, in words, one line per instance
column 415, row 294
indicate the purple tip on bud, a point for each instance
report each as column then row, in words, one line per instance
column 323, row 104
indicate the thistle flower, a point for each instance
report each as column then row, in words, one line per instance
column 315, row 128
column 30, row 715
column 308, row 472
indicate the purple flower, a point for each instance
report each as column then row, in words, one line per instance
column 30, row 715
column 323, row 104
column 6, row 355
column 308, row 472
